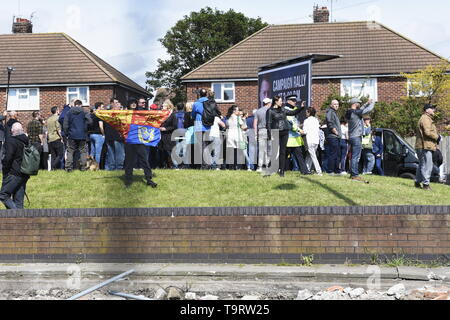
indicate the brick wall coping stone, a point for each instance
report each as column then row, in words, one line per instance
column 228, row 211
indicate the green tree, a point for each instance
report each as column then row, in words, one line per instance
column 432, row 85
column 196, row 39
column 402, row 115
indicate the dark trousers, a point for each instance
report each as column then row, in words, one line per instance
column 233, row 162
column 343, row 146
column 12, row 193
column 283, row 140
column 56, row 149
column 134, row 153
column 297, row 155
column 154, row 157
column 80, row 146
column 379, row 166
column 333, row 155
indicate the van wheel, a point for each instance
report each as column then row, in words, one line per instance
column 408, row 175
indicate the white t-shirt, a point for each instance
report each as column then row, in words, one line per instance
column 344, row 132
column 311, row 126
column 215, row 130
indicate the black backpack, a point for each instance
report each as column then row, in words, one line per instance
column 209, row 112
column 31, row 160
column 438, row 159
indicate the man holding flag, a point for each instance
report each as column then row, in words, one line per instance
column 139, row 129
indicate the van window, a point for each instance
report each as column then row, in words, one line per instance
column 392, row 145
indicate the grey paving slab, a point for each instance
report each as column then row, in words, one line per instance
column 413, row 273
column 217, row 270
column 345, row 272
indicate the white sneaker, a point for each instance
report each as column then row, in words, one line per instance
column 259, row 170
column 343, row 173
column 320, row 175
column 249, row 170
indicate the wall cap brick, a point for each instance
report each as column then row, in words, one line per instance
column 227, row 211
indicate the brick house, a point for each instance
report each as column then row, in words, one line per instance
column 51, row 69
column 373, row 58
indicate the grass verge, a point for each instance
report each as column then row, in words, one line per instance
column 187, row 188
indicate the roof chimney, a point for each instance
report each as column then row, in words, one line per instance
column 321, row 14
column 22, row 26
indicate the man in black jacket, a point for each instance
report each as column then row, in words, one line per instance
column 75, row 127
column 276, row 120
column 14, row 184
column 333, row 138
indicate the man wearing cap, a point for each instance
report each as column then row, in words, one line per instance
column 259, row 125
column 354, row 117
column 295, row 144
column 426, row 143
column 291, row 103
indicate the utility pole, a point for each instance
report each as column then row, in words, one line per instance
column 10, row 70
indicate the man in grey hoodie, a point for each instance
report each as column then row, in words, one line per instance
column 334, row 134
column 354, row 117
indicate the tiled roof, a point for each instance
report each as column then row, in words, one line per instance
column 54, row 58
column 367, row 48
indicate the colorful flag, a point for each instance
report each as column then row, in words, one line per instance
column 136, row 127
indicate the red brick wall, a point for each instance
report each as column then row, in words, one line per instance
column 322, row 89
column 389, row 90
column 252, row 237
column 100, row 94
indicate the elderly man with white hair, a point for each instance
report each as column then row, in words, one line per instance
column 13, row 188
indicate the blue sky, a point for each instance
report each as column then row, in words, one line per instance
column 125, row 32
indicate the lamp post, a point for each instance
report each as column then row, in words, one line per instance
column 10, row 70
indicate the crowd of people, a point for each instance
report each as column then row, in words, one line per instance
column 235, row 141
column 280, row 136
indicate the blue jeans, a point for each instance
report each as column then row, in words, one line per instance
column 252, row 154
column 116, row 156
column 180, row 150
column 12, row 193
column 356, row 145
column 97, row 141
column 333, row 155
column 425, row 168
column 324, row 158
column 343, row 146
column 379, row 166
column 369, row 160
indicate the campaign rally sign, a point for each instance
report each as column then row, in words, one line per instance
column 285, row 81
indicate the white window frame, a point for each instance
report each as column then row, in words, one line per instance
column 375, row 80
column 418, row 95
column 85, row 103
column 222, row 86
column 35, row 106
